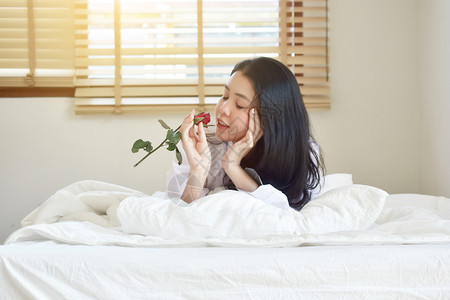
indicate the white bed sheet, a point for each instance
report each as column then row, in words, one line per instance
column 46, row 270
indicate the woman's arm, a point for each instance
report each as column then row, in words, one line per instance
column 242, row 181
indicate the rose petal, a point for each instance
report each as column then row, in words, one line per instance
column 203, row 117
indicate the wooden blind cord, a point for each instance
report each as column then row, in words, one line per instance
column 29, row 79
column 117, row 54
column 201, row 75
column 326, row 41
column 298, row 33
column 283, row 31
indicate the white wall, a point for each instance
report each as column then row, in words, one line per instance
column 374, row 129
column 434, row 83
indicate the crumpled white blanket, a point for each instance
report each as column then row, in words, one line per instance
column 347, row 215
column 88, row 200
column 235, row 214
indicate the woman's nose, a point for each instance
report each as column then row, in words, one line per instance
column 225, row 108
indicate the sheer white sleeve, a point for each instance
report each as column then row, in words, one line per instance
column 317, row 191
column 271, row 195
column 267, row 192
column 177, row 177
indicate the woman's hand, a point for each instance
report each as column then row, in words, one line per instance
column 231, row 162
column 196, row 146
column 198, row 155
column 240, row 148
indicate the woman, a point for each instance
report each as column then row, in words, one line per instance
column 262, row 142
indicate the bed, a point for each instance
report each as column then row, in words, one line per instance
column 94, row 240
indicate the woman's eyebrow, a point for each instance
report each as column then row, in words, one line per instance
column 238, row 94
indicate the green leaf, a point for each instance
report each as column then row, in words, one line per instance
column 140, row 144
column 198, row 120
column 163, row 124
column 149, row 147
column 171, row 146
column 173, row 136
column 137, row 146
column 178, row 155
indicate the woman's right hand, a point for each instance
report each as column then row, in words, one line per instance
column 198, row 155
column 196, row 146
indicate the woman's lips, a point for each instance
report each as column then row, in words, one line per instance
column 222, row 125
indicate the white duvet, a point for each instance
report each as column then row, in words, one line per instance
column 97, row 213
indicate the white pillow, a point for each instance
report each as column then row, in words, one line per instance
column 234, row 214
column 349, row 207
column 332, row 181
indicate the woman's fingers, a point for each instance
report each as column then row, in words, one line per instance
column 187, row 122
column 192, row 134
column 201, row 133
column 195, row 145
column 257, row 133
column 203, row 148
column 254, row 129
column 187, row 127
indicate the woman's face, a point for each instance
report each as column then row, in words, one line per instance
column 232, row 110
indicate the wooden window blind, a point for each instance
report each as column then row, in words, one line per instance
column 147, row 55
column 304, row 48
column 36, row 43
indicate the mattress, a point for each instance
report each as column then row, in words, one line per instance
column 48, row 270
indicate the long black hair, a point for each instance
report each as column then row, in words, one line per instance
column 286, row 156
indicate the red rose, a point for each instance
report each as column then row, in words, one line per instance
column 202, row 117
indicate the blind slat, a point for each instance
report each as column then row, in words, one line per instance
column 14, row 3
column 188, row 90
column 17, row 54
column 192, row 50
column 38, row 81
column 14, row 64
column 82, row 62
column 172, row 40
column 91, row 108
column 14, row 33
column 138, row 91
column 136, row 51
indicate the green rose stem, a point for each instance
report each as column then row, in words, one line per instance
column 159, row 146
column 172, row 138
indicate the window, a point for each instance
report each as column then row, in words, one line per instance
column 138, row 55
